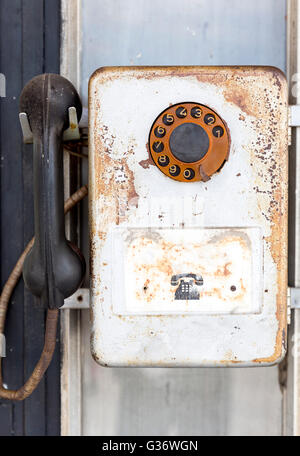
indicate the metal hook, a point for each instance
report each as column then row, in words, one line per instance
column 72, row 133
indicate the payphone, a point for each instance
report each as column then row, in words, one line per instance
column 187, row 213
column 188, row 176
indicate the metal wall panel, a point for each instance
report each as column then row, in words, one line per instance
column 161, row 401
column 29, row 45
column 174, row 32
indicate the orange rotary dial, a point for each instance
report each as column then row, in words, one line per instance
column 189, row 142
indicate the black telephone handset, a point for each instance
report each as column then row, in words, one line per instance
column 53, row 268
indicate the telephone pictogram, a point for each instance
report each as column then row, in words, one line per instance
column 187, row 289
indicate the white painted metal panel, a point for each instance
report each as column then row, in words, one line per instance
column 227, row 261
column 248, row 195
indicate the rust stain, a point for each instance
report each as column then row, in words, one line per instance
column 230, row 361
column 226, row 270
column 149, row 161
column 146, row 163
column 268, row 123
column 102, row 235
column 161, row 268
column 274, row 183
column 113, row 176
column 241, row 97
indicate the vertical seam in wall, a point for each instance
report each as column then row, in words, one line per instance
column 71, row 420
column 23, row 213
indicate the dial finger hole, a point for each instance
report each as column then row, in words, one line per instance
column 218, row 131
column 158, row 146
column 209, row 119
column 196, row 112
column 168, row 119
column 174, row 170
column 181, row 112
column 163, row 160
column 160, row 132
column 188, row 173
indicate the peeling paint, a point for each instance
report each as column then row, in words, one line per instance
column 127, row 192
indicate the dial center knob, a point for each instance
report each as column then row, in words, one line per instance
column 189, row 142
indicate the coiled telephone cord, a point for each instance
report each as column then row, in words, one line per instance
column 51, row 321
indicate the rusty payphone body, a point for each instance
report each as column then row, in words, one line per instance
column 188, row 187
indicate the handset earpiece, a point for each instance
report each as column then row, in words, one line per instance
column 53, row 269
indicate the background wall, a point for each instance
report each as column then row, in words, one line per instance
column 123, row 32
column 29, row 45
